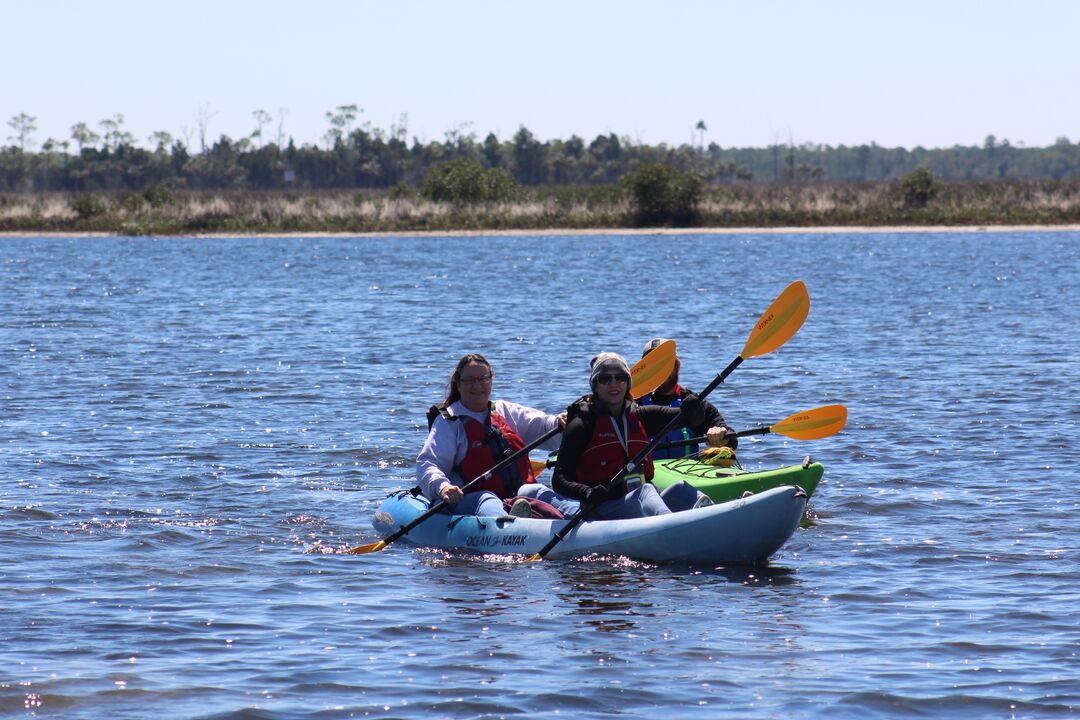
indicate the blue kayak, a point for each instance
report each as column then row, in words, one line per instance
column 743, row 531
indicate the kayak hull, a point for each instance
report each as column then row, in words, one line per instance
column 743, row 531
column 723, row 484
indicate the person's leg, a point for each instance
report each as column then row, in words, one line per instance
column 651, row 502
column 683, row 496
column 542, row 492
column 644, row 501
column 479, row 503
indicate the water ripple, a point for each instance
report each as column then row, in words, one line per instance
column 196, row 430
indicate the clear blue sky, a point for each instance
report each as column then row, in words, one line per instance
column 934, row 73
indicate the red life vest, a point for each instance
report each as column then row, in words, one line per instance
column 488, row 444
column 604, row 455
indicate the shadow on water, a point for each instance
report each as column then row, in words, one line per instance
column 619, row 571
column 613, row 572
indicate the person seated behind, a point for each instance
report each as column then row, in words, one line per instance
column 603, row 432
column 469, row 434
column 672, row 394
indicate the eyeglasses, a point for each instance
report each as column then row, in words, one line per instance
column 606, row 378
column 478, row 380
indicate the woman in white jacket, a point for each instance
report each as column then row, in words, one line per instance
column 469, row 434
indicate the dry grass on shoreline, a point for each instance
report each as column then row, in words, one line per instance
column 817, row 205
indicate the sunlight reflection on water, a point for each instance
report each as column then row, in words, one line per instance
column 194, row 428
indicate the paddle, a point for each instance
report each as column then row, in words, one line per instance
column 774, row 328
column 647, row 375
column 376, row 546
column 651, row 371
column 821, row 422
column 813, row 424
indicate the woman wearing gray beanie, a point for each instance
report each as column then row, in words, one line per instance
column 604, row 431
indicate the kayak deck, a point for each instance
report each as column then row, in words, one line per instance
column 728, row 483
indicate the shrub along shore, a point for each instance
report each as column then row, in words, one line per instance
column 653, row 197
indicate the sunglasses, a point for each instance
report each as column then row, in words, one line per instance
column 606, row 378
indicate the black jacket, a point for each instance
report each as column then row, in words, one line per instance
column 580, row 421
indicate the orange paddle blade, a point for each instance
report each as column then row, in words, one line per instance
column 782, row 320
column 651, row 371
column 363, row 549
column 813, row 424
column 538, row 466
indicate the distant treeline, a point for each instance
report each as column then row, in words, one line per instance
column 654, row 195
column 374, row 159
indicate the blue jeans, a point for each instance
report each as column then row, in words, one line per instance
column 681, row 496
column 646, row 501
column 482, row 502
column 542, row 492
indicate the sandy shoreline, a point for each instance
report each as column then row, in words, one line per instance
column 830, row 230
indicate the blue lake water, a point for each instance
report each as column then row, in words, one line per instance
column 190, row 428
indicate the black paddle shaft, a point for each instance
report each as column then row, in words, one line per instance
column 703, row 438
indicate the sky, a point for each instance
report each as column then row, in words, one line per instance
column 930, row 73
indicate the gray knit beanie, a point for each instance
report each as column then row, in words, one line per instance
column 612, row 362
column 652, row 345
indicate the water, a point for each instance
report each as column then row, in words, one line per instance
column 191, row 427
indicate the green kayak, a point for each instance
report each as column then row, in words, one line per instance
column 728, row 483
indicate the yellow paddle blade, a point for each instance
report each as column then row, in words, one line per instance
column 364, row 549
column 538, row 466
column 651, row 371
column 782, row 320
column 813, row 424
